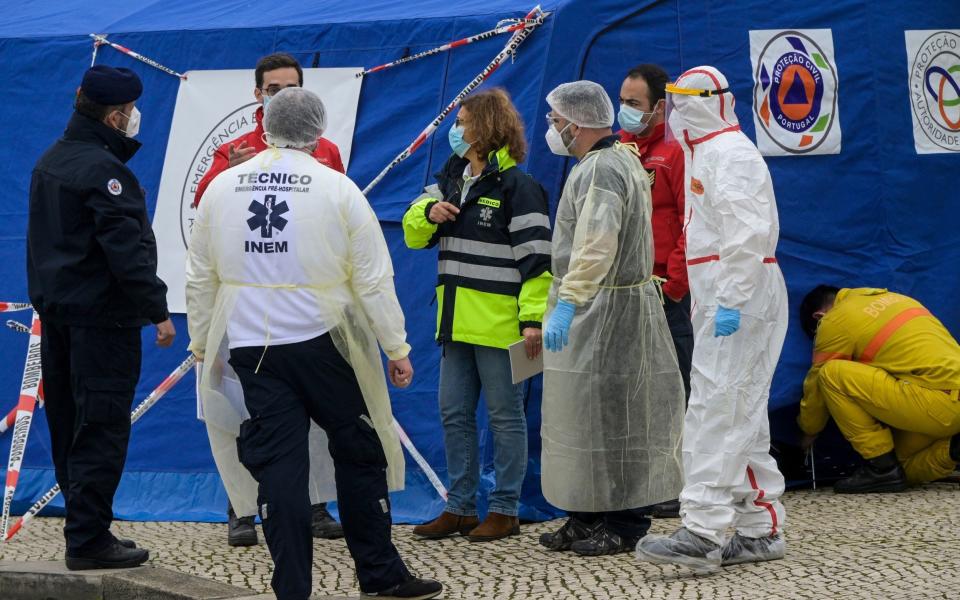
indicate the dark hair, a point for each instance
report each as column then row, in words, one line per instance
column 88, row 108
column 813, row 302
column 656, row 78
column 278, row 60
column 495, row 122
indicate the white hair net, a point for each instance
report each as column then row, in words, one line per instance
column 295, row 118
column 584, row 103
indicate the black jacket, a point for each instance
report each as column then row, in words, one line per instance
column 506, row 211
column 91, row 253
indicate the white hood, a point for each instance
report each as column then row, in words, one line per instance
column 692, row 118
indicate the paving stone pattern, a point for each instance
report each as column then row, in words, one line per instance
column 893, row 546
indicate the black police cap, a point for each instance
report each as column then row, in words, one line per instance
column 111, row 85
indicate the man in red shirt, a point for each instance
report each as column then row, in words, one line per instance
column 641, row 120
column 273, row 73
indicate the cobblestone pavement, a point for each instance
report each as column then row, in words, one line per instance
column 868, row 546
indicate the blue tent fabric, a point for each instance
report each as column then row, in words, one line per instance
column 876, row 214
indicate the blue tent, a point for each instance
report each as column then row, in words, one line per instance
column 876, row 214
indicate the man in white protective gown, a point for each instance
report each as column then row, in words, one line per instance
column 299, row 290
column 613, row 396
column 739, row 322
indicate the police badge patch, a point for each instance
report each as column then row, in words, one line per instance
column 114, row 187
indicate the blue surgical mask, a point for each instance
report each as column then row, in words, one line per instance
column 266, row 100
column 632, row 120
column 459, row 146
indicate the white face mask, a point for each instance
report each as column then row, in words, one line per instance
column 555, row 141
column 133, row 123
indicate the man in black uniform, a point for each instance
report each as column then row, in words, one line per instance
column 92, row 271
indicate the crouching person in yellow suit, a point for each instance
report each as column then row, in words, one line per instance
column 888, row 372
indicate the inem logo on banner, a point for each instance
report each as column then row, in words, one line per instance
column 795, row 104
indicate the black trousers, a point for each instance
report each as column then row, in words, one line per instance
column 89, row 378
column 681, row 330
column 294, row 384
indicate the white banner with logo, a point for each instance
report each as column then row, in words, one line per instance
column 213, row 108
column 933, row 70
column 795, row 84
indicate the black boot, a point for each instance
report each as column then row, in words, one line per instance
column 114, row 556
column 604, row 542
column 955, row 448
column 124, row 542
column 411, row 589
column 880, row 474
column 572, row 531
column 323, row 525
column 240, row 530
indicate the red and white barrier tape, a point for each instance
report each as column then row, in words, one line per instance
column 135, row 415
column 100, row 40
column 29, row 389
column 501, row 29
column 420, row 460
column 14, row 306
column 533, row 20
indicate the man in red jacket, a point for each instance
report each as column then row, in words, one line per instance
column 641, row 120
column 274, row 72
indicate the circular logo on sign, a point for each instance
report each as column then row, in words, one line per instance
column 234, row 124
column 935, row 89
column 114, row 187
column 795, row 96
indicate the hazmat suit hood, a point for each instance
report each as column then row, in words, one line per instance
column 692, row 119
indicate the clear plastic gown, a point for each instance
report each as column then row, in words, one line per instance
column 613, row 398
column 336, row 250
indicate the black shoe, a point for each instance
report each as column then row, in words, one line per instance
column 113, row 556
column 604, row 542
column 411, row 589
column 880, row 474
column 323, row 525
column 124, row 542
column 955, row 448
column 666, row 510
column 572, row 531
column 240, row 530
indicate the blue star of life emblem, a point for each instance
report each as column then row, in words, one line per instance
column 267, row 216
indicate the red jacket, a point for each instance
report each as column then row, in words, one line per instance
column 326, row 152
column 665, row 160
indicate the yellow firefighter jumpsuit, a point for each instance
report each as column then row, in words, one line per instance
column 888, row 372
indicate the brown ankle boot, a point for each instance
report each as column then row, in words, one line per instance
column 494, row 527
column 444, row 525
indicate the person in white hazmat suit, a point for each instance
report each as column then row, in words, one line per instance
column 739, row 320
column 613, row 397
column 299, row 290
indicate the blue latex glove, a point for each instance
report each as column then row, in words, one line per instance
column 728, row 321
column 558, row 327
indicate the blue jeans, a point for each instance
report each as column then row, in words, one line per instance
column 464, row 369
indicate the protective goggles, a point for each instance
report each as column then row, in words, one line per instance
column 673, row 89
